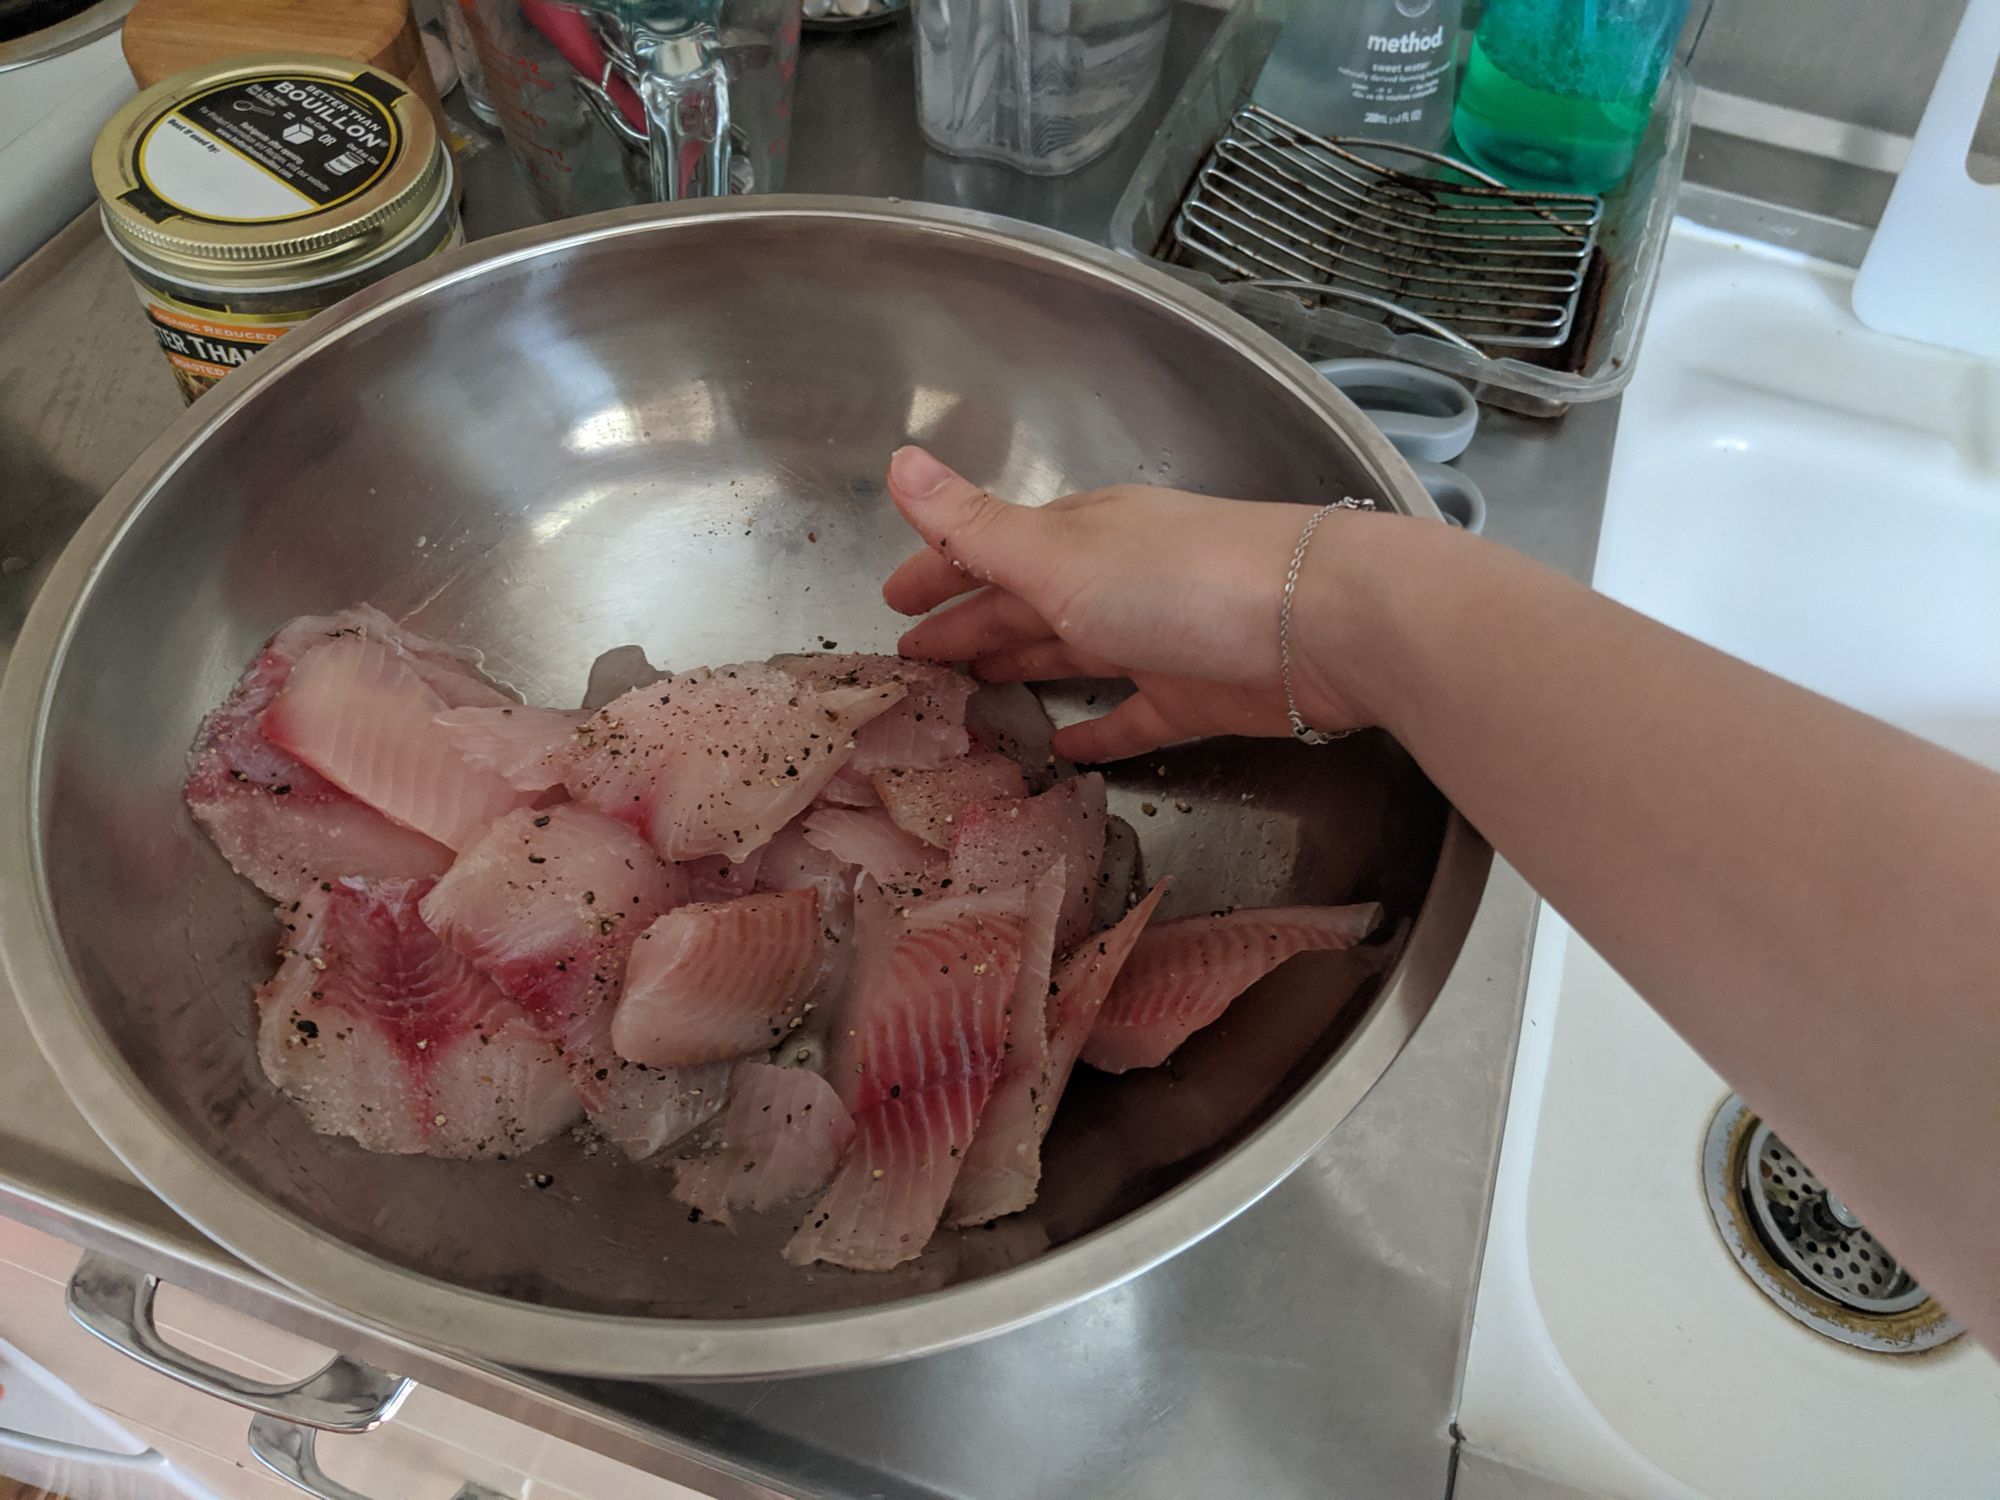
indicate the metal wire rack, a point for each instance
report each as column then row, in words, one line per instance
column 1441, row 246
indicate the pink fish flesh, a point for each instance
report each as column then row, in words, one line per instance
column 1010, row 841
column 549, row 903
column 784, row 1132
column 926, row 803
column 1183, row 974
column 926, row 728
column 1003, row 1163
column 521, row 745
column 278, row 822
column 868, row 840
column 712, row 981
column 922, row 1045
column 382, row 1033
column 717, row 763
column 361, row 711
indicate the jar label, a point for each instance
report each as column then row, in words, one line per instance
column 267, row 149
column 204, row 346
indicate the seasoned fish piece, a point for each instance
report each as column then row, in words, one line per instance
column 1013, row 840
column 716, row 763
column 1183, row 974
column 784, row 1132
column 381, row 1033
column 926, row 727
column 714, row 980
column 918, row 1055
column 926, row 803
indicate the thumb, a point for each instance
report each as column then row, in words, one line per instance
column 977, row 533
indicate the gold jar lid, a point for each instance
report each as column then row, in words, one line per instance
column 269, row 171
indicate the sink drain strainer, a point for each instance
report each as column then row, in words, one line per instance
column 1805, row 1249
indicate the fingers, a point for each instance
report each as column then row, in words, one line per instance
column 991, row 620
column 1132, row 728
column 1043, row 661
column 968, row 529
column 923, row 581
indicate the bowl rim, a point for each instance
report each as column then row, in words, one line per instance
column 400, row 1303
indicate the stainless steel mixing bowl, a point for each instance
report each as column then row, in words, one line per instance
column 669, row 427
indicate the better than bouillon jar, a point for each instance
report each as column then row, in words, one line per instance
column 247, row 196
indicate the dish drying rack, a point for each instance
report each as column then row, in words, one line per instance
column 1262, row 200
column 1449, row 250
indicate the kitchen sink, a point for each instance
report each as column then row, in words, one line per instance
column 1823, row 501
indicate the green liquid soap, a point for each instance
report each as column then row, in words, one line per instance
column 1549, row 100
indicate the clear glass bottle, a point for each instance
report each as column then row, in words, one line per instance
column 1043, row 85
column 1557, row 93
column 1377, row 68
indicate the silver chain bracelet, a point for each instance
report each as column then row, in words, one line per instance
column 1301, row 731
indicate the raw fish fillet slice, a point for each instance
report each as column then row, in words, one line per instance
column 927, row 728
column 925, row 803
column 382, row 1033
column 1120, row 878
column 712, row 981
column 641, row 1110
column 867, row 839
column 357, row 710
column 1003, row 1163
column 278, row 822
column 885, row 1200
column 792, row 864
column 717, row 878
column 1082, row 983
column 521, row 745
column 1183, row 974
column 549, row 903
column 784, row 1133
column 717, row 763
column 1013, row 840
column 1008, row 718
column 919, row 1053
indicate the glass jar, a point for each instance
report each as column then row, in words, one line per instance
column 246, row 197
column 1042, row 85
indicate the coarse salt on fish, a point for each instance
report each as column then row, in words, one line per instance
column 1012, row 840
column 926, row 803
column 383, row 1034
column 718, row 763
column 997, row 1175
column 870, row 841
column 921, row 1047
column 925, row 728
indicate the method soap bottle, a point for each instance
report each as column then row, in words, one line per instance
column 1377, row 68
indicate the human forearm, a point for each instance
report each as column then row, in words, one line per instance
column 1762, row 864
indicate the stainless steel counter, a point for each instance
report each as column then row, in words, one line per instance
column 1312, row 1347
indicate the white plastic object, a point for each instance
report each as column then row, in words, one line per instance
column 52, row 1437
column 1929, row 273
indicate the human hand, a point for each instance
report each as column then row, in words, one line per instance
column 1178, row 592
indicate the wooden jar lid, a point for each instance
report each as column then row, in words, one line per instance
column 164, row 37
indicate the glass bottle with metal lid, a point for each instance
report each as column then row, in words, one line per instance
column 249, row 195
